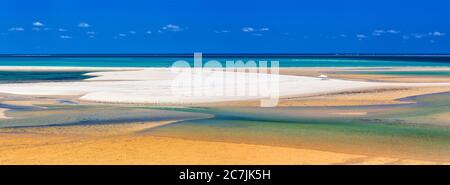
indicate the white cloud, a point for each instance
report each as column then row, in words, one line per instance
column 132, row 32
column 423, row 35
column 361, row 36
column 16, row 29
column 65, row 37
column 378, row 32
column 172, row 27
column 393, row 31
column 122, row 35
column 418, row 35
column 255, row 31
column 62, row 30
column 149, row 32
column 91, row 34
column 221, row 31
column 436, row 33
column 248, row 29
column 38, row 24
column 84, row 25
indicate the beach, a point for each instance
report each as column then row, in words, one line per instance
column 121, row 145
column 84, row 126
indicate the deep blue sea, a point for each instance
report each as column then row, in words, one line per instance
column 284, row 61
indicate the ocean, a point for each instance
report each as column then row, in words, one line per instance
column 416, row 130
column 168, row 60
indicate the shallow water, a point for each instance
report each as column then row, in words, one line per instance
column 72, row 114
column 394, row 132
column 41, row 76
column 391, row 131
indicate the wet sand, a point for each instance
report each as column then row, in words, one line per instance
column 376, row 96
column 122, row 144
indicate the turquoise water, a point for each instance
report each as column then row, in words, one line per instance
column 168, row 61
column 73, row 114
column 401, row 73
column 399, row 130
column 41, row 76
column 408, row 129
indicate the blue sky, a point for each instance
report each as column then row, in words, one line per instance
column 219, row 26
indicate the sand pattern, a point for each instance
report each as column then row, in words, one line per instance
column 134, row 143
column 119, row 144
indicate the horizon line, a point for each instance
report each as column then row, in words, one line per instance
column 226, row 54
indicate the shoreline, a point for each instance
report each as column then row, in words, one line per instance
column 151, row 86
column 119, row 144
column 94, row 68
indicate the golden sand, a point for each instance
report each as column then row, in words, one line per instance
column 350, row 98
column 27, row 102
column 350, row 113
column 443, row 117
column 122, row 144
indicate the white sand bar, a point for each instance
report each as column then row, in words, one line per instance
column 2, row 114
column 156, row 86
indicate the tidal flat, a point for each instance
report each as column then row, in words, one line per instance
column 404, row 124
column 407, row 130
